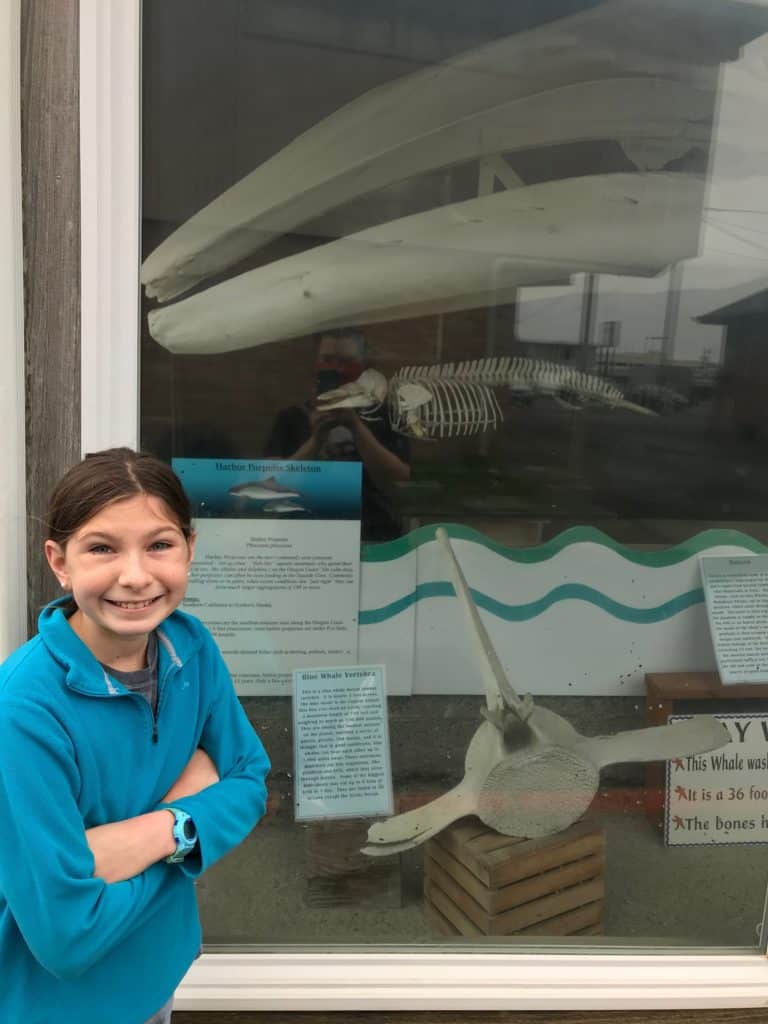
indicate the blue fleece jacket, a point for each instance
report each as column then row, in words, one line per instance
column 76, row 750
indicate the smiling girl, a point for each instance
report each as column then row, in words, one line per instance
column 127, row 765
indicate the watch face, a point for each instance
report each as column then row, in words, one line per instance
column 190, row 832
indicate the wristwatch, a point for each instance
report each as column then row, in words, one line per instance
column 185, row 834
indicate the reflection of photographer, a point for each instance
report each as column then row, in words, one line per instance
column 302, row 432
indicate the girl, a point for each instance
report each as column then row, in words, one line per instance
column 127, row 766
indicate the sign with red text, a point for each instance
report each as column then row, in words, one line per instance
column 721, row 798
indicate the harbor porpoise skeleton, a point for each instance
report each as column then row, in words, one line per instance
column 459, row 400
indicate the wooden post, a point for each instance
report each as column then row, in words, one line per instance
column 51, row 203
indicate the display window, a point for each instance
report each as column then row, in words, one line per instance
column 451, row 322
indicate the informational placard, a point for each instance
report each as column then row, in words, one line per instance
column 281, row 490
column 276, row 575
column 721, row 798
column 341, row 743
column 736, row 591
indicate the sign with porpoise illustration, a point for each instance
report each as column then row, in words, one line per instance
column 276, row 570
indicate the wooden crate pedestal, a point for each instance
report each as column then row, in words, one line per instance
column 477, row 882
column 338, row 875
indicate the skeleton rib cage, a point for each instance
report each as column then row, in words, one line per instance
column 456, row 408
column 458, row 399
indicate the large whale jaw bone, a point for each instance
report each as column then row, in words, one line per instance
column 527, row 771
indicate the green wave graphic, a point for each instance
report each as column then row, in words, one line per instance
column 394, row 549
column 531, row 609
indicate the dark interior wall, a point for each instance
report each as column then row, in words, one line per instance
column 257, row 58
column 742, row 386
column 51, row 196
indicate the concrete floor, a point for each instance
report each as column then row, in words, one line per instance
column 702, row 896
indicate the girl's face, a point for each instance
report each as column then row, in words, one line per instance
column 127, row 569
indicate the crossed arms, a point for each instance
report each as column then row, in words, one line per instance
column 123, row 849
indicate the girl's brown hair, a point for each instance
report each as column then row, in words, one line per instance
column 108, row 476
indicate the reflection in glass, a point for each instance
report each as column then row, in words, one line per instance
column 513, row 261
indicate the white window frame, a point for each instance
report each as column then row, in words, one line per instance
column 432, row 978
column 13, row 575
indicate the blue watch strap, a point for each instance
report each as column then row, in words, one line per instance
column 185, row 834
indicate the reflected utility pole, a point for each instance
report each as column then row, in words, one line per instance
column 587, row 326
column 584, row 361
column 671, row 313
column 440, row 335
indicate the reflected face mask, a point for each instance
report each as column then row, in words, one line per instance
column 332, row 371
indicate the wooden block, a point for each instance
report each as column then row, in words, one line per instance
column 441, row 881
column 513, row 895
column 333, row 847
column 376, row 889
column 339, row 875
column 594, row 929
column 584, row 920
column 498, row 860
column 477, row 882
column 439, row 924
column 449, row 910
column 549, row 906
column 435, row 854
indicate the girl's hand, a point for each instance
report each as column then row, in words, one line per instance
column 123, row 849
column 199, row 774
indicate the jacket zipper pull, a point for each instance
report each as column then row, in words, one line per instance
column 154, row 730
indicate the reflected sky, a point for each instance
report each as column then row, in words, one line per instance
column 734, row 241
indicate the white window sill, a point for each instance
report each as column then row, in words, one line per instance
column 461, row 981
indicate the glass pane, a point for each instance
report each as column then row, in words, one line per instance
column 510, row 258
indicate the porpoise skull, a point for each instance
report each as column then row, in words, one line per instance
column 366, row 394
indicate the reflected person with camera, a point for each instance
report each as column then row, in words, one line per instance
column 304, row 432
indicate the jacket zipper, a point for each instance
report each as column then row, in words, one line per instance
column 154, row 715
column 174, row 666
column 161, row 688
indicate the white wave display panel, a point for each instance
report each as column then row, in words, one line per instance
column 586, row 617
column 391, row 641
